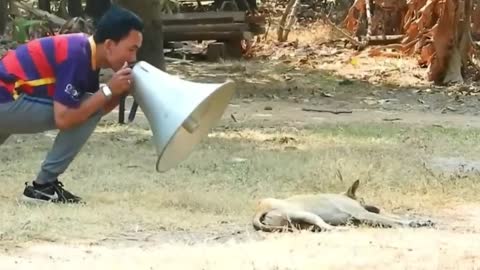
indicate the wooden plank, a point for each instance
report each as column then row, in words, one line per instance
column 236, row 15
column 212, row 35
column 224, row 27
column 225, row 19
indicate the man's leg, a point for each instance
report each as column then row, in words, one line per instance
column 66, row 146
column 3, row 138
column 26, row 116
column 32, row 116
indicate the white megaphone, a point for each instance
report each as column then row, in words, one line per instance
column 180, row 113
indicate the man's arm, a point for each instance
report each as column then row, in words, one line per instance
column 66, row 117
column 69, row 111
column 110, row 105
column 68, row 108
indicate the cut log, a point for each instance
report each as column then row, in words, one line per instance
column 383, row 40
column 216, row 51
column 234, row 48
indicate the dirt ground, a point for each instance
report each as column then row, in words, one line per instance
column 451, row 244
column 200, row 217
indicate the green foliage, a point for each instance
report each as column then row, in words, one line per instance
column 23, row 28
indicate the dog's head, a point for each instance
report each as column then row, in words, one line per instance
column 352, row 193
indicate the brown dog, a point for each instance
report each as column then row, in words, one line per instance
column 322, row 212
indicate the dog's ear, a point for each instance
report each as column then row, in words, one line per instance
column 353, row 189
column 372, row 209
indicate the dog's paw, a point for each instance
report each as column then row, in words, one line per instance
column 339, row 229
column 421, row 223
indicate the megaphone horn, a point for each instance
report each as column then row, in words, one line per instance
column 180, row 112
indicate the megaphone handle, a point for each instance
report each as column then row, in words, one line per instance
column 133, row 111
column 121, row 110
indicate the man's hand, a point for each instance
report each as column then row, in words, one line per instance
column 120, row 82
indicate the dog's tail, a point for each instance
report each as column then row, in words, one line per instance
column 257, row 221
column 260, row 226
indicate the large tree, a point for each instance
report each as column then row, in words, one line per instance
column 439, row 31
column 3, row 15
column 150, row 11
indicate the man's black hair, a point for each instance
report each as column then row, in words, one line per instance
column 116, row 24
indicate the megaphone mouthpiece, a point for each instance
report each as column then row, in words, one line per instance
column 190, row 124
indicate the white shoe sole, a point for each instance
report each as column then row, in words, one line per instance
column 30, row 200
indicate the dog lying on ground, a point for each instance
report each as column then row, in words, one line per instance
column 323, row 211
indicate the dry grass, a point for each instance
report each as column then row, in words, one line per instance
column 317, row 32
column 319, row 47
column 217, row 187
column 274, row 79
column 224, row 176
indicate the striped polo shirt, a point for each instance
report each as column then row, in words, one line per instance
column 57, row 68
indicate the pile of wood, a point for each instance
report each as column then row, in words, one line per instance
column 438, row 31
column 204, row 26
column 228, row 28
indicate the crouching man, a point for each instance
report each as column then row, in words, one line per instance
column 52, row 83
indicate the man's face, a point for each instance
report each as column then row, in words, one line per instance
column 123, row 51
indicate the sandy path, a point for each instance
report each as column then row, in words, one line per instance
column 356, row 249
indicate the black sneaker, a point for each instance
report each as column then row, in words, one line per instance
column 51, row 192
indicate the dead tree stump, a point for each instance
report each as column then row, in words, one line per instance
column 216, row 51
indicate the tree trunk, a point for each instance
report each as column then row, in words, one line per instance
column 3, row 16
column 96, row 8
column 476, row 20
column 287, row 20
column 152, row 47
column 439, row 31
column 451, row 41
column 75, row 8
column 44, row 5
